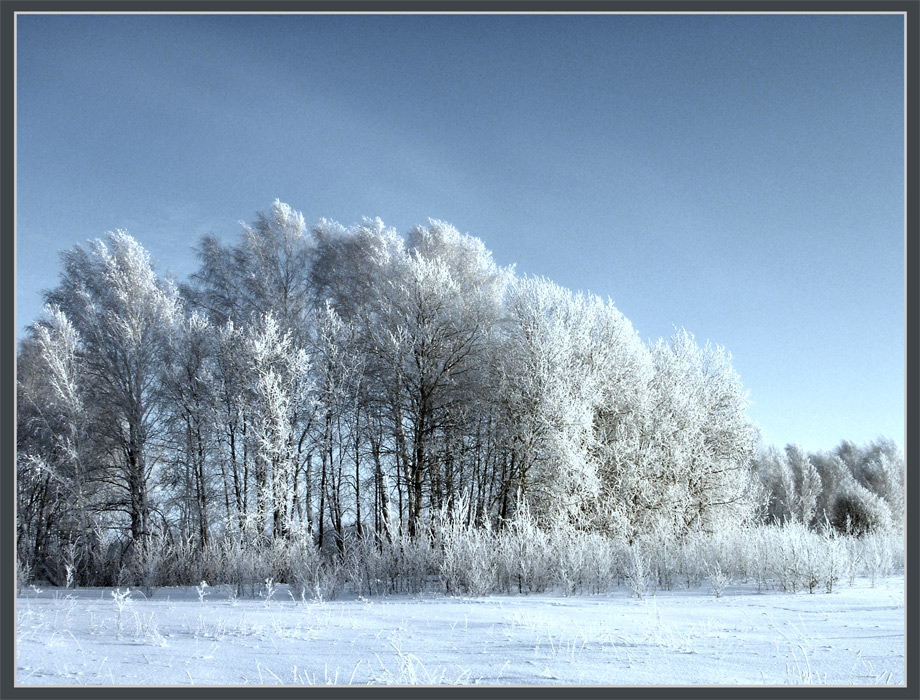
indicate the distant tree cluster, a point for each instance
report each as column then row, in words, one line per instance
column 852, row 489
column 341, row 381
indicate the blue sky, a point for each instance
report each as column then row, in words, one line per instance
column 737, row 175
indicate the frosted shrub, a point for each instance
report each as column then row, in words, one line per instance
column 68, row 575
column 467, row 561
column 722, row 549
column 661, row 559
column 371, row 551
column 715, row 558
column 149, row 564
column 247, row 559
column 111, row 562
column 717, row 578
column 23, row 574
column 300, row 562
column 71, row 557
column 452, row 563
column 268, row 591
column 187, row 561
column 855, row 558
column 145, row 629
column 570, row 553
column 814, row 561
column 122, row 601
column 402, row 564
column 878, row 555
column 388, row 562
column 836, row 559
column 522, row 557
column 229, row 562
column 747, row 553
column 800, row 558
column 663, row 552
column 479, row 578
column 638, row 572
column 860, row 512
column 525, row 555
column 689, row 560
column 329, row 581
column 453, row 553
column 788, row 556
column 755, row 555
column 760, row 555
column 898, row 546
column 620, row 556
column 360, row 565
column 599, row 563
column 795, row 556
column 211, row 563
column 734, row 545
column 415, row 560
column 728, row 549
column 220, row 568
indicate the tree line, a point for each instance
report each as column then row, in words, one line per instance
column 335, row 382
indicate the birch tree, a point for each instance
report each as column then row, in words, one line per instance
column 191, row 413
column 57, row 480
column 266, row 272
column 280, row 396
column 438, row 314
column 124, row 314
column 552, row 387
column 708, row 442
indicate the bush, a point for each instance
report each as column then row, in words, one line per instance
column 453, row 557
column 524, row 557
column 468, row 558
column 149, row 564
column 299, row 562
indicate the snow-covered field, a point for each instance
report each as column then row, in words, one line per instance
column 852, row 636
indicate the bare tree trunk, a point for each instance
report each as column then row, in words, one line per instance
column 357, row 480
column 201, row 490
column 137, row 487
column 322, row 492
column 309, row 509
column 380, row 497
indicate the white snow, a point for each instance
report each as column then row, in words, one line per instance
column 852, row 636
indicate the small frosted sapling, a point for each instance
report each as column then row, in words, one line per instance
column 270, row 588
column 638, row 573
column 122, row 600
column 70, row 564
column 718, row 579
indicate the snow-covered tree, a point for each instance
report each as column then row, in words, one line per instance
column 707, row 444
column 266, row 272
column 124, row 315
column 571, row 370
column 191, row 413
column 312, row 380
column 56, row 460
column 807, row 485
column 279, row 392
column 878, row 467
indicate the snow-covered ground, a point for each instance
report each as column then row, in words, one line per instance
column 851, row 636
